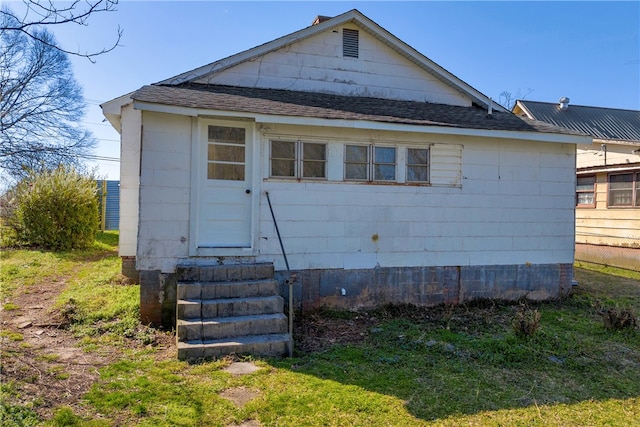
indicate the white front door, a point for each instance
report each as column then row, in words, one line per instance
column 224, row 211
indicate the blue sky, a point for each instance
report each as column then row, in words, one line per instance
column 587, row 51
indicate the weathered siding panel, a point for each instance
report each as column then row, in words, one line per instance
column 485, row 210
column 131, row 125
column 316, row 64
column 510, row 217
column 165, row 182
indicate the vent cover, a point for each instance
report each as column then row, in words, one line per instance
column 349, row 43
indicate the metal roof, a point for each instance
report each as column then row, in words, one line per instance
column 598, row 122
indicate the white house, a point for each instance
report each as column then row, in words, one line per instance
column 391, row 180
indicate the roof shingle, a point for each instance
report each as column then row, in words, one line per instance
column 338, row 107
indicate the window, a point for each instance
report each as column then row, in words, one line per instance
column 225, row 153
column 298, row 160
column 417, row 165
column 624, row 190
column 369, row 163
column 349, row 43
column 384, row 163
column 314, row 160
column 585, row 191
column 356, row 162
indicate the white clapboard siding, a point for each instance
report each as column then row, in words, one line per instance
column 316, row 64
column 131, row 123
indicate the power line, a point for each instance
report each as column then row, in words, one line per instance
column 101, row 158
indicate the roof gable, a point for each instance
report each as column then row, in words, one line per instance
column 409, row 74
column 602, row 123
column 278, row 102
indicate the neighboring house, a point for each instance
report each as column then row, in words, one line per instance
column 109, row 197
column 391, row 180
column 608, row 183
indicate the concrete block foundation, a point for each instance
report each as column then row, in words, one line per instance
column 369, row 288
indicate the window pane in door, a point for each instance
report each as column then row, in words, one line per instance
column 227, row 153
column 225, row 171
column 226, row 134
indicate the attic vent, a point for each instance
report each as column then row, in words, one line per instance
column 349, row 43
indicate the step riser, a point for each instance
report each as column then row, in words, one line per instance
column 224, row 273
column 232, row 308
column 268, row 349
column 209, row 309
column 212, row 330
column 213, row 290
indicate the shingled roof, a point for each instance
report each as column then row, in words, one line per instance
column 337, row 107
column 598, row 122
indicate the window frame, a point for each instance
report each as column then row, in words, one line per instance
column 635, row 190
column 212, row 163
column 299, row 160
column 371, row 163
column 592, row 191
column 409, row 165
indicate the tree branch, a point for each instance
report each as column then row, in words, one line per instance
column 48, row 14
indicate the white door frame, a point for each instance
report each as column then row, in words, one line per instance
column 198, row 171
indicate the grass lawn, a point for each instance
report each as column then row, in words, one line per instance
column 401, row 366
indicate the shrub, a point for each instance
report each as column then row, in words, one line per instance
column 616, row 318
column 527, row 321
column 56, row 209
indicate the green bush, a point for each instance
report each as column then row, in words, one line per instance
column 56, row 210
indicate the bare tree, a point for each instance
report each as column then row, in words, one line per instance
column 41, row 104
column 508, row 100
column 40, row 14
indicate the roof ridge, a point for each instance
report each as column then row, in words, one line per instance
column 524, row 101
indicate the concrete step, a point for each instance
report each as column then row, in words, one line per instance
column 229, row 307
column 273, row 345
column 224, row 273
column 225, row 327
column 217, row 290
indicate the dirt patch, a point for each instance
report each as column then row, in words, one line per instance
column 239, row 396
column 320, row 329
column 42, row 362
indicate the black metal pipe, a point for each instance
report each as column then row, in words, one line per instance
column 289, row 281
column 284, row 254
